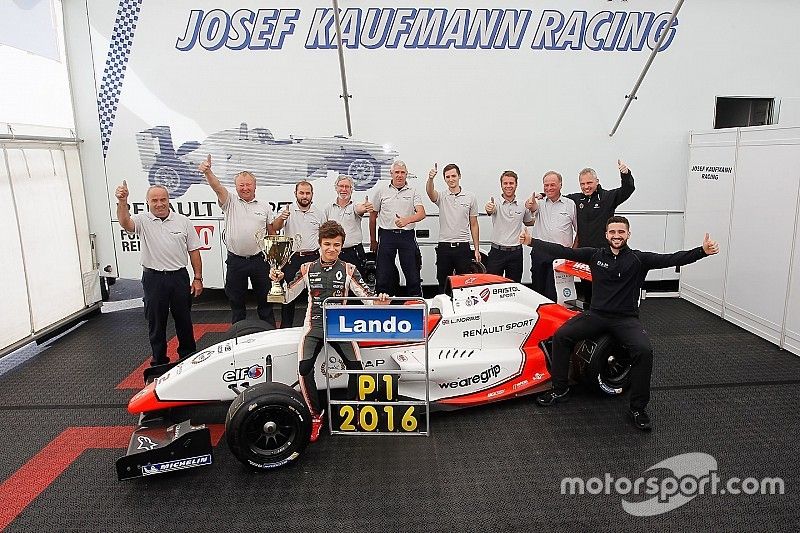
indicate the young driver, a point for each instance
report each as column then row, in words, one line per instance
column 326, row 277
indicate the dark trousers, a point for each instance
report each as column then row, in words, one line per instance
column 542, row 279
column 290, row 270
column 310, row 346
column 354, row 255
column 507, row 263
column 239, row 270
column 165, row 292
column 400, row 243
column 452, row 257
column 585, row 291
column 627, row 330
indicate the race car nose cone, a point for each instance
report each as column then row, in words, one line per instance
column 144, row 400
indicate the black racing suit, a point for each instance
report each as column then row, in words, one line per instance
column 324, row 281
column 617, row 281
column 593, row 212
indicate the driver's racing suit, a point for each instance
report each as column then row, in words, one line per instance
column 324, row 281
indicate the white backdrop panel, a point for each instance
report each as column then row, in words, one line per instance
column 708, row 209
column 762, row 226
column 16, row 323
column 48, row 233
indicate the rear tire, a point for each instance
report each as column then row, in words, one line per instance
column 247, row 327
column 604, row 365
column 268, row 426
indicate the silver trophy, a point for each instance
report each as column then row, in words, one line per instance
column 277, row 250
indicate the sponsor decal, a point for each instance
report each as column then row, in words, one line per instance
column 145, row 443
column 505, row 292
column 470, row 281
column 206, row 235
column 177, row 464
column 485, row 294
column 251, row 372
column 602, row 264
column 495, row 393
column 488, row 330
column 224, row 347
column 538, row 376
column 289, row 459
column 520, row 384
column 472, row 300
column 484, row 377
column 567, row 292
column 339, row 275
column 202, row 356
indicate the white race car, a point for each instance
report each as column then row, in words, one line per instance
column 488, row 340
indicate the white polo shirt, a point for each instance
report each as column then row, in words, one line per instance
column 455, row 210
column 390, row 202
column 556, row 221
column 305, row 225
column 350, row 221
column 507, row 221
column 165, row 243
column 243, row 220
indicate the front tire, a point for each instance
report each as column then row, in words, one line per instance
column 268, row 426
column 604, row 365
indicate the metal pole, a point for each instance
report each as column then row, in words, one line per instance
column 346, row 95
column 631, row 97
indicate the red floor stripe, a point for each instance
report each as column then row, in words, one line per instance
column 136, row 381
column 25, row 485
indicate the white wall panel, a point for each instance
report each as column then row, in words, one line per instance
column 16, row 323
column 791, row 331
column 47, row 228
column 709, row 194
column 762, row 229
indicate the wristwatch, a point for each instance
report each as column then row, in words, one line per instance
column 198, row 278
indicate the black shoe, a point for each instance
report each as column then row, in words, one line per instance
column 640, row 420
column 546, row 399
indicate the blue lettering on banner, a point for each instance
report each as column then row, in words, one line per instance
column 375, row 323
column 429, row 28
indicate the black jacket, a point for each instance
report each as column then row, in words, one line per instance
column 593, row 211
column 617, row 279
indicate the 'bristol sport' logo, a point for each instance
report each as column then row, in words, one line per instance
column 252, row 372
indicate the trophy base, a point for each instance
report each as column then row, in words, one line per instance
column 278, row 298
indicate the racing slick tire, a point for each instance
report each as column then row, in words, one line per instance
column 246, row 327
column 268, row 426
column 604, row 364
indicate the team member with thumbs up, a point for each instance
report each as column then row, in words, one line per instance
column 618, row 274
column 166, row 238
column 245, row 216
column 349, row 215
column 458, row 225
column 508, row 217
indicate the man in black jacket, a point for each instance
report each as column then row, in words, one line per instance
column 594, row 205
column 618, row 274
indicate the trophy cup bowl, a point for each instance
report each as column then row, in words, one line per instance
column 277, row 250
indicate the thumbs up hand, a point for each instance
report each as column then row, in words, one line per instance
column 530, row 203
column 525, row 237
column 205, row 166
column 433, row 171
column 710, row 247
column 367, row 206
column 284, row 214
column 490, row 206
column 122, row 192
column 623, row 168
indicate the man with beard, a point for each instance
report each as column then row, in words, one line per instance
column 618, row 274
column 458, row 224
column 508, row 217
column 166, row 238
column 594, row 206
column 245, row 216
column 302, row 221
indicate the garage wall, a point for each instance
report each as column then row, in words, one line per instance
column 744, row 188
column 49, row 275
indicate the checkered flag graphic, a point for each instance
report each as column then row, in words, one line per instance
column 116, row 62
